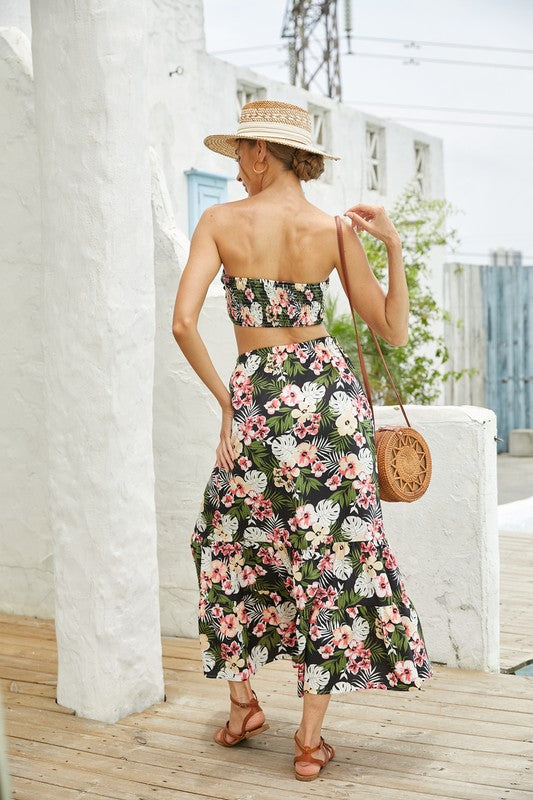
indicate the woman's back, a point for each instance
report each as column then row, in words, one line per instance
column 283, row 238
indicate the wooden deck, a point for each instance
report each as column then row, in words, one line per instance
column 467, row 735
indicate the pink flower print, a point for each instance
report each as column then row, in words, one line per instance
column 317, row 366
column 328, row 597
column 228, row 499
column 318, row 468
column 259, row 629
column 244, row 463
column 279, row 537
column 392, row 678
column 272, row 405
column 350, row 466
column 326, row 650
column 382, row 585
column 358, row 657
column 406, row 671
column 305, row 516
column 202, row 608
column 270, row 615
column 366, row 490
column 240, row 611
column 229, row 625
column 312, row 589
column 247, row 576
column 299, row 597
column 389, row 558
column 290, row 394
column 353, row 611
column 306, row 454
column 248, row 293
column 326, row 563
column 368, row 551
column 314, row 632
column 342, row 636
column 219, row 571
column 333, row 482
column 358, row 438
column 227, row 586
column 276, row 598
column 261, row 507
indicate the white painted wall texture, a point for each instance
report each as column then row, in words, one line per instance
column 98, row 299
column 105, row 314
column 26, row 568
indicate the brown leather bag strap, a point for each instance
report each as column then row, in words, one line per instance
column 359, row 349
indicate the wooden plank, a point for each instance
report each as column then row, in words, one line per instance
column 192, row 733
column 184, row 774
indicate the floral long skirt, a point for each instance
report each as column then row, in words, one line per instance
column 289, row 545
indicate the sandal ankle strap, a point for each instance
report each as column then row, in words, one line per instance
column 306, row 747
column 251, row 704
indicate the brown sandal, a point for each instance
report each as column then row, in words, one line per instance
column 306, row 758
column 254, row 707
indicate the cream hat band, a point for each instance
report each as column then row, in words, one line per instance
column 273, row 121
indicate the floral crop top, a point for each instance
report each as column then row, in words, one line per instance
column 264, row 302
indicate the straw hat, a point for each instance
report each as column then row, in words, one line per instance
column 270, row 120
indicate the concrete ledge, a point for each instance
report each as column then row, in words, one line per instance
column 521, row 442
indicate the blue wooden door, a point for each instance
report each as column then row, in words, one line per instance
column 508, row 321
column 205, row 189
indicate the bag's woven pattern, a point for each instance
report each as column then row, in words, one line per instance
column 404, row 464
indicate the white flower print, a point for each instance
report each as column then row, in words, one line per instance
column 327, row 512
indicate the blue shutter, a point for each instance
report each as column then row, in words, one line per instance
column 205, row 189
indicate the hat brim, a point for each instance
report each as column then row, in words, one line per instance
column 225, row 144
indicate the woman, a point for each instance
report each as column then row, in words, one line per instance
column 289, row 546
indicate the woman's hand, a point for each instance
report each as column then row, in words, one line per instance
column 224, row 459
column 373, row 219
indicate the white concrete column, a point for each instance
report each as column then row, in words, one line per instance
column 447, row 542
column 90, row 88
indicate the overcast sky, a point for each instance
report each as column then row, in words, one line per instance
column 488, row 167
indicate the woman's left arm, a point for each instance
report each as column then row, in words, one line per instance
column 374, row 220
column 199, row 272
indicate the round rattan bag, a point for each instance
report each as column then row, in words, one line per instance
column 403, row 462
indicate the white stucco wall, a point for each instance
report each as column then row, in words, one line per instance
column 447, row 542
column 99, row 302
column 26, row 568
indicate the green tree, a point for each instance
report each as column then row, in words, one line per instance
column 417, row 367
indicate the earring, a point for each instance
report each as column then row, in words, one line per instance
column 259, row 171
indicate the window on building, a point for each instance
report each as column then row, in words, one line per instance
column 422, row 167
column 247, row 93
column 205, row 189
column 320, row 134
column 375, row 159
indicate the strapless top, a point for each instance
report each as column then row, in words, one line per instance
column 265, row 302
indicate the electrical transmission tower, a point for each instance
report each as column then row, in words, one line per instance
column 312, row 31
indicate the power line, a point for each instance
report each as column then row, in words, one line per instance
column 439, row 108
column 413, row 61
column 407, row 42
column 463, row 122
column 418, row 42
